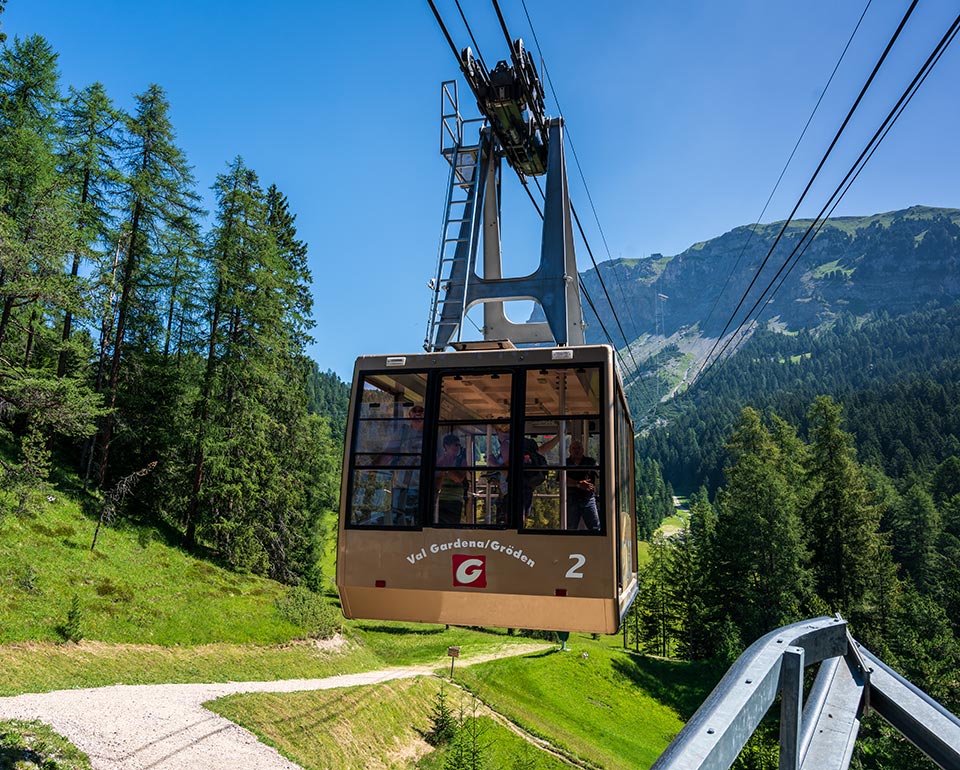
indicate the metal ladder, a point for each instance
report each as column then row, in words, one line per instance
column 458, row 233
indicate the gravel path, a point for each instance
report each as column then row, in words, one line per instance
column 165, row 727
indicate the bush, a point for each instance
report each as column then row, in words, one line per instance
column 310, row 612
column 72, row 630
column 27, row 579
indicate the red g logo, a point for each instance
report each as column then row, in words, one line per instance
column 469, row 571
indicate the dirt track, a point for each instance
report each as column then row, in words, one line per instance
column 165, row 727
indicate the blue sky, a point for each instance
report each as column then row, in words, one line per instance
column 682, row 115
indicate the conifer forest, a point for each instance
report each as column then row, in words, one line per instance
column 159, row 359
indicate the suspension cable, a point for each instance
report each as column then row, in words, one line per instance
column 866, row 160
column 803, row 195
column 576, row 158
column 476, row 47
column 753, row 227
column 851, row 175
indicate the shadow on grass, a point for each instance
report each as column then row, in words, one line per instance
column 399, row 630
column 681, row 685
column 544, row 654
column 16, row 757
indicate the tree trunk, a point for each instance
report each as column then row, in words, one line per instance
column 74, row 271
column 190, row 533
column 125, row 298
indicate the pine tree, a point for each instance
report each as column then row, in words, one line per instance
column 690, row 572
column 948, row 549
column 686, row 592
column 758, row 563
column 443, row 723
column 469, row 747
column 945, row 483
column 292, row 254
column 656, row 621
column 916, row 530
column 238, row 244
column 261, row 470
column 841, row 518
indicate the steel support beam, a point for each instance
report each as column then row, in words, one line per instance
column 835, row 725
column 850, row 682
column 714, row 736
column 791, row 707
column 554, row 285
column 923, row 721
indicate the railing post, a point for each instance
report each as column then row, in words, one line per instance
column 791, row 705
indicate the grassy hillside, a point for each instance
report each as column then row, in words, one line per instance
column 151, row 613
column 597, row 704
column 133, row 588
column 596, row 701
column 381, row 726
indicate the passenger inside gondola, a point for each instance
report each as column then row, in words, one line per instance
column 451, row 482
column 581, row 489
column 388, row 442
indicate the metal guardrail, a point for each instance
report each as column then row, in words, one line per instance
column 821, row 734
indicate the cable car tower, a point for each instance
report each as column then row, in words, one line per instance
column 516, row 130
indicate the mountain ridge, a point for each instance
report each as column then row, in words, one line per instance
column 848, row 251
column 673, row 309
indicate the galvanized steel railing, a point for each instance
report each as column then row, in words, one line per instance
column 821, row 734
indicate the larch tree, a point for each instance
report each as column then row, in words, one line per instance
column 158, row 199
column 33, row 206
column 35, row 236
column 90, row 142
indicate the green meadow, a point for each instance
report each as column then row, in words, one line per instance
column 148, row 612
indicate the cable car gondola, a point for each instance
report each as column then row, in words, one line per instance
column 449, row 516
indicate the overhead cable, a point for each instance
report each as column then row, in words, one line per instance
column 806, row 189
column 456, row 54
column 851, row 175
column 753, row 227
column 472, row 38
column 583, row 180
column 862, row 165
column 523, row 178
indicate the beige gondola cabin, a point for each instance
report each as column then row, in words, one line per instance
column 489, row 487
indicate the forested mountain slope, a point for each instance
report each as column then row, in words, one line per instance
column 150, row 351
column 328, row 396
column 899, row 379
column 823, row 462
